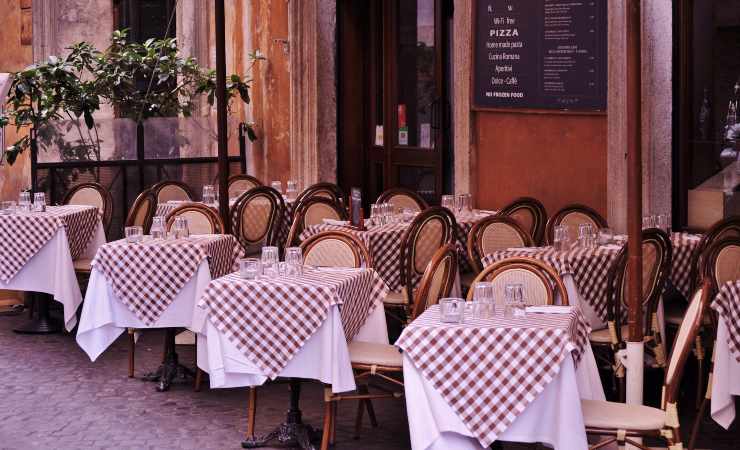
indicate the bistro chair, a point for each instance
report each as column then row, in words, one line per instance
column 541, row 284
column 402, row 198
column 656, row 265
column 530, row 214
column 335, row 249
column 573, row 216
column 92, row 194
column 725, row 228
column 384, row 361
column 326, row 190
column 166, row 191
column 201, row 219
column 142, row 211
column 258, row 213
column 312, row 211
column 241, row 183
column 494, row 233
column 431, row 229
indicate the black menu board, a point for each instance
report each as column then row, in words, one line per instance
column 540, row 54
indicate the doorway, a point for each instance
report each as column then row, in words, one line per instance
column 393, row 108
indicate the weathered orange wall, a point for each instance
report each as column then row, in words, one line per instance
column 556, row 158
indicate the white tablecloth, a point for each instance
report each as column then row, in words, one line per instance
column 105, row 317
column 324, row 357
column 553, row 418
column 726, row 381
column 51, row 271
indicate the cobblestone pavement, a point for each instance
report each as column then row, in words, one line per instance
column 53, row 397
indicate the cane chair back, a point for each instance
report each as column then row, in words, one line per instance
column 402, row 198
column 494, row 233
column 201, row 219
column 258, row 212
column 438, row 279
column 313, row 211
column 685, row 340
column 92, row 194
column 335, row 249
column 540, row 282
column 725, row 228
column 142, row 211
column 241, row 183
column 530, row 214
column 166, row 191
column 323, row 190
column 573, row 216
column 723, row 262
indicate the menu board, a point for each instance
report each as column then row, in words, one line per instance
column 540, row 54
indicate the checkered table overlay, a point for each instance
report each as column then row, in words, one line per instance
column 490, row 370
column 727, row 305
column 22, row 235
column 147, row 276
column 684, row 245
column 269, row 320
column 384, row 244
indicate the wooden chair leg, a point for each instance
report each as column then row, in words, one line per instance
column 327, row 421
column 333, row 436
column 131, row 349
column 369, row 405
column 252, row 411
column 358, row 420
column 696, row 427
column 198, row 379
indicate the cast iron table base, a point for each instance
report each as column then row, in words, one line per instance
column 171, row 370
column 44, row 323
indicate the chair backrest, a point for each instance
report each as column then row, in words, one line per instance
column 335, row 249
column 530, row 214
column 313, row 211
column 402, row 198
column 258, row 212
column 92, row 194
column 325, row 190
column 201, row 219
column 540, row 281
column 494, row 233
column 573, row 216
column 722, row 262
column 169, row 190
column 241, row 183
column 684, row 342
column 438, row 279
column 725, row 228
column 142, row 211
column 430, row 230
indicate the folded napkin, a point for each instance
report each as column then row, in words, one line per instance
column 336, row 222
column 339, row 269
column 523, row 249
column 550, row 309
column 177, row 202
column 612, row 247
column 485, row 211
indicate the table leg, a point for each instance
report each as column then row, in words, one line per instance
column 293, row 431
column 44, row 324
column 171, row 370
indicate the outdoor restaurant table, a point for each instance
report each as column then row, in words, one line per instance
column 726, row 378
column 384, row 244
column 510, row 379
column 585, row 271
column 250, row 331
column 149, row 284
column 37, row 250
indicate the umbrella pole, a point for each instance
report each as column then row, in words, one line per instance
column 223, row 150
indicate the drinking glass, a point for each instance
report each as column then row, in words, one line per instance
column 24, row 201
column 134, row 234
column 292, row 190
column 514, row 305
column 375, row 214
column 586, row 235
column 250, row 268
column 157, row 231
column 294, row 259
column 648, row 222
column 277, row 185
column 561, row 238
column 39, row 202
column 181, row 227
column 269, row 261
column 606, row 236
column 7, row 207
column 209, row 194
column 484, row 306
column 462, row 204
column 452, row 310
column 448, row 201
column 662, row 221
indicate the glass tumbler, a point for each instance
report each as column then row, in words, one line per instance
column 277, row 185
column 157, row 231
column 270, row 261
column 452, row 310
column 560, row 238
column 209, row 194
column 24, row 201
column 448, row 201
column 294, row 260
column 134, row 234
column 180, row 227
column 292, row 190
column 39, row 202
column 7, row 207
column 483, row 297
column 250, row 268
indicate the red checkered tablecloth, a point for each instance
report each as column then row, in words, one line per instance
column 22, row 235
column 147, row 276
column 727, row 305
column 490, row 370
column 269, row 320
column 684, row 246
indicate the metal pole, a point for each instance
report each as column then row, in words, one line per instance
column 635, row 347
column 223, row 151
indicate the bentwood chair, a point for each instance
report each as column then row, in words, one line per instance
column 325, row 190
column 656, row 264
column 540, row 281
column 258, row 214
column 494, row 233
column 725, row 228
column 530, row 214
column 169, row 190
column 240, row 183
column 92, row 194
column 384, row 361
column 573, row 216
column 402, row 198
column 431, row 229
column 142, row 211
column 312, row 211
column 622, row 423
column 201, row 219
column 335, row 249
